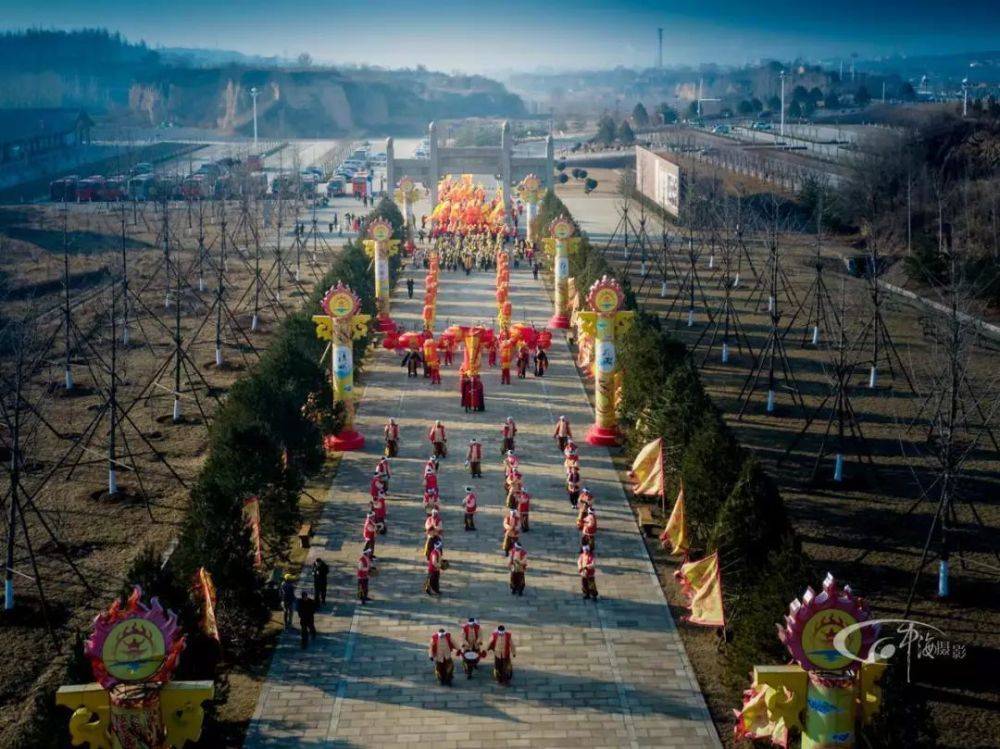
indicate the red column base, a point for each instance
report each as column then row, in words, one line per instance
column 343, row 441
column 559, row 321
column 602, row 436
column 385, row 324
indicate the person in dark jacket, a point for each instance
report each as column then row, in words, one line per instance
column 287, row 592
column 307, row 618
column 321, row 571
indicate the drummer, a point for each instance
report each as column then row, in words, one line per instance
column 523, row 508
column 434, row 529
column 563, row 433
column 588, row 530
column 508, row 431
column 474, row 458
column 440, row 650
column 502, row 645
column 472, row 646
column 511, row 531
column 368, row 532
column 383, row 471
column 430, row 474
column 517, row 562
column 573, row 485
column 514, row 487
column 380, row 509
column 435, row 562
column 469, row 505
column 510, row 463
column 365, row 567
column 432, row 500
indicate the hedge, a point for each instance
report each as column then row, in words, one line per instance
column 265, row 439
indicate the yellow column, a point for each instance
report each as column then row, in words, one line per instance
column 341, row 324
column 603, row 322
column 560, row 244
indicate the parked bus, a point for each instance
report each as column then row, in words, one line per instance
column 336, row 187
column 143, row 187
column 63, row 189
column 90, row 189
column 114, row 189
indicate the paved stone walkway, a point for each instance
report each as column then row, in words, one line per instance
column 611, row 673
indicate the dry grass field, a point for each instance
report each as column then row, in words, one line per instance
column 81, row 539
column 869, row 530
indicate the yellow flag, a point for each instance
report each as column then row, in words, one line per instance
column 701, row 583
column 647, row 470
column 675, row 533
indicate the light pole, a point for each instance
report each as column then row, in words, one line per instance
column 253, row 95
column 965, row 97
column 782, row 126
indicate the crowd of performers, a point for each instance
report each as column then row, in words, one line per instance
column 471, row 252
column 515, row 524
column 512, row 346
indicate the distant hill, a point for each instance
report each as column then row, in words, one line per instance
column 104, row 73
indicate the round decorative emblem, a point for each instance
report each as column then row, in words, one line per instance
column 562, row 228
column 340, row 302
column 813, row 623
column 380, row 230
column 606, row 296
column 134, row 650
column 134, row 643
column 530, row 188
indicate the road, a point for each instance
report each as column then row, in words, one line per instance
column 610, row 673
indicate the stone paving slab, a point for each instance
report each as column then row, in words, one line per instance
column 611, row 673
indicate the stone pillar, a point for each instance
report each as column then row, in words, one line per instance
column 506, row 153
column 433, row 167
column 390, row 165
column 548, row 179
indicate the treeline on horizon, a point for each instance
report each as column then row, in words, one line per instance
column 99, row 50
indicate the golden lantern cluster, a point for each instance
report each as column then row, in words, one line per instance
column 465, row 208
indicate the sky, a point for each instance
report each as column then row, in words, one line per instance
column 505, row 35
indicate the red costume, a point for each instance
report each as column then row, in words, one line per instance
column 470, row 505
column 523, row 508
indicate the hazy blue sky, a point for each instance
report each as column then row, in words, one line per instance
column 485, row 36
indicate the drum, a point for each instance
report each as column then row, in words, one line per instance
column 471, row 655
column 373, row 572
column 445, row 564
